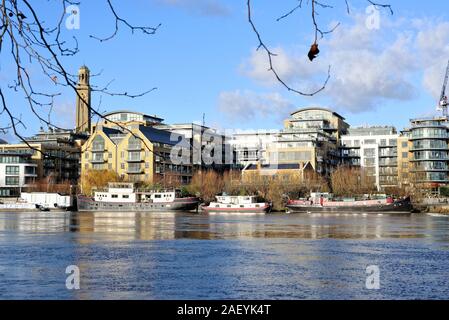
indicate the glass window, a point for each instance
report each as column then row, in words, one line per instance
column 12, row 181
column 404, row 144
column 404, row 155
column 98, row 143
column 12, row 170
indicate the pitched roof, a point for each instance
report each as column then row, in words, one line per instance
column 162, row 136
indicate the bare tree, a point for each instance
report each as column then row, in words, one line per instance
column 26, row 41
column 319, row 33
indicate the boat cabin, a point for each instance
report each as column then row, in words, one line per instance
column 126, row 192
column 236, row 199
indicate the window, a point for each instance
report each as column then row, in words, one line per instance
column 404, row 144
column 12, row 181
column 114, row 196
column 122, row 165
column 110, row 155
column 369, row 152
column 147, row 165
column 157, row 196
column 125, row 196
column 134, row 156
column 30, row 170
column 393, row 142
column 405, row 165
column 12, row 170
column 98, row 166
column 110, row 166
column 122, row 154
column 98, row 143
column 86, row 155
column 404, row 155
column 86, row 166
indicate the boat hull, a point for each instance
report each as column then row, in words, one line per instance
column 264, row 209
column 398, row 207
column 182, row 204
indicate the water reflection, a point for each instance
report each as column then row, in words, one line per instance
column 168, row 225
column 276, row 256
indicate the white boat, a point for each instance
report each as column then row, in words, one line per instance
column 247, row 204
column 43, row 201
column 122, row 197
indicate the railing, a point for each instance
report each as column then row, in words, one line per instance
column 134, row 146
column 134, row 159
column 97, row 160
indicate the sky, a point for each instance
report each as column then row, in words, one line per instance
column 203, row 59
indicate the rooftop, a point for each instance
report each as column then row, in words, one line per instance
column 372, row 131
column 152, row 117
column 319, row 109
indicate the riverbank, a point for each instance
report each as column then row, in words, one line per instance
column 443, row 210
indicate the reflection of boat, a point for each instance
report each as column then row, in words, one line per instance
column 323, row 202
column 237, row 204
column 124, row 197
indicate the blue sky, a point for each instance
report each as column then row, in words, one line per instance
column 203, row 60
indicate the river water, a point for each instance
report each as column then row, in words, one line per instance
column 189, row 256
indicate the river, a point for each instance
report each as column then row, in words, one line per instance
column 190, row 256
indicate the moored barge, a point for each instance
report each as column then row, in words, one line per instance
column 237, row 204
column 323, row 203
column 122, row 197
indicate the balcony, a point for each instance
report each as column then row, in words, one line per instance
column 388, row 164
column 429, row 148
column 134, row 147
column 134, row 159
column 430, row 159
column 388, row 155
column 98, row 160
column 134, row 171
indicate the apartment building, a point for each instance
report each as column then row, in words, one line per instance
column 141, row 153
column 17, row 171
column 429, row 151
column 375, row 149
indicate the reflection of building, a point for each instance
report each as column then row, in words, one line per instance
column 429, row 152
column 17, row 171
column 376, row 150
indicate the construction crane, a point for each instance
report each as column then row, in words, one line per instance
column 443, row 103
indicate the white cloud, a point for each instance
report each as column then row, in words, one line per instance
column 247, row 105
column 369, row 67
column 201, row 7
